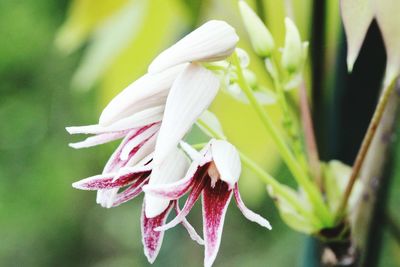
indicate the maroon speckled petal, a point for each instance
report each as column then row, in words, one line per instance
column 200, row 181
column 215, row 203
column 151, row 239
column 177, row 189
column 115, row 162
column 131, row 192
column 106, row 181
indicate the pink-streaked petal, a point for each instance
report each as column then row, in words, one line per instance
column 138, row 140
column 198, row 186
column 214, row 40
column 99, row 139
column 106, row 181
column 192, row 232
column 105, row 197
column 135, row 169
column 115, row 162
column 227, row 161
column 130, row 193
column 147, row 91
column 142, row 152
column 250, row 215
column 174, row 190
column 151, row 239
column 191, row 93
column 215, row 204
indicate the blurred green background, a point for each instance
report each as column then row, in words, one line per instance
column 45, row 87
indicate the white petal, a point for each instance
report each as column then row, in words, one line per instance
column 105, row 197
column 171, row 170
column 155, row 205
column 98, row 139
column 142, row 118
column 227, row 161
column 214, row 40
column 148, row 91
column 192, row 92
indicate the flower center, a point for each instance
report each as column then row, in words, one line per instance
column 213, row 173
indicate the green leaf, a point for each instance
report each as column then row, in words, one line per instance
column 111, row 38
column 84, row 17
column 336, row 177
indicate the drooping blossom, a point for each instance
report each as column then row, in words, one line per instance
column 153, row 114
column 214, row 174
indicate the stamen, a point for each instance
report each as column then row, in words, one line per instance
column 213, row 173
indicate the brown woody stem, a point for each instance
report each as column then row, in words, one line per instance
column 376, row 118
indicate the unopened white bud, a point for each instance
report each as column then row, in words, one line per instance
column 260, row 37
column 292, row 55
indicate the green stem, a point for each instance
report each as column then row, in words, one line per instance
column 301, row 177
column 288, row 120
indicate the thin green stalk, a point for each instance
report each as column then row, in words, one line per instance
column 298, row 173
column 288, row 120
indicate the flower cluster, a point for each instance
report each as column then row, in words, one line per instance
column 153, row 115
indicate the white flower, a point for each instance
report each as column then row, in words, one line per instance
column 153, row 114
column 214, row 173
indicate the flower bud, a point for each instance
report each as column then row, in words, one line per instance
column 260, row 37
column 292, row 55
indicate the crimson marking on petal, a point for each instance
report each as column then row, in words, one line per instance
column 114, row 163
column 215, row 203
column 151, row 239
column 131, row 192
column 174, row 190
column 138, row 141
column 249, row 214
column 200, row 182
column 192, row 232
column 99, row 182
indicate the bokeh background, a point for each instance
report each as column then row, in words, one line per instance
column 62, row 61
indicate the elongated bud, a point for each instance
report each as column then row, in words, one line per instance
column 260, row 37
column 292, row 55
